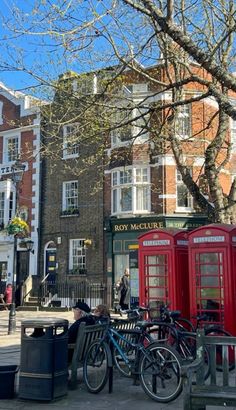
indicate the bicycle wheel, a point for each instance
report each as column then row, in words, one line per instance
column 95, row 367
column 187, row 350
column 160, row 375
column 217, row 331
column 184, row 324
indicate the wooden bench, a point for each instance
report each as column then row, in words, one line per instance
column 86, row 335
column 220, row 388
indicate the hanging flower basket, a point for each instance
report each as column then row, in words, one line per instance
column 18, row 227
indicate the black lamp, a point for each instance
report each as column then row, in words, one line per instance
column 29, row 245
column 17, row 174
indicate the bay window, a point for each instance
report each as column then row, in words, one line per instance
column 131, row 190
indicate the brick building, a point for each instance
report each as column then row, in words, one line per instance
column 92, row 234
column 143, row 188
column 71, row 231
column 19, row 138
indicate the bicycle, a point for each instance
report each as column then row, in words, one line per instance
column 213, row 329
column 157, row 366
column 172, row 328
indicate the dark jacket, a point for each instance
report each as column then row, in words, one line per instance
column 73, row 329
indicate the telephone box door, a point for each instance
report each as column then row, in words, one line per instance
column 155, row 280
column 209, row 274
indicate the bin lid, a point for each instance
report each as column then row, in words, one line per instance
column 47, row 322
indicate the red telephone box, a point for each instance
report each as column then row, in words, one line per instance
column 163, row 268
column 212, row 264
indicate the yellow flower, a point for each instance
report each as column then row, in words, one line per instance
column 17, row 226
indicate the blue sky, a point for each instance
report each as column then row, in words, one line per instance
column 45, row 57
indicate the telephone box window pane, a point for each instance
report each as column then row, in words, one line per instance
column 210, row 281
column 155, row 281
column 209, row 269
column 156, row 260
column 156, row 270
column 158, row 293
column 209, row 257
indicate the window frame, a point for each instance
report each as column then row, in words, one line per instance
column 184, row 112
column 135, row 133
column 66, row 143
column 65, row 206
column 72, row 244
column 233, row 134
column 6, row 152
column 7, row 188
column 179, row 182
column 126, row 179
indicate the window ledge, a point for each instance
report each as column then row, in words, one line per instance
column 184, row 211
column 69, row 215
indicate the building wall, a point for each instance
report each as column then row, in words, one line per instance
column 20, row 117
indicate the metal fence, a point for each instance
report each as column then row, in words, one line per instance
column 63, row 294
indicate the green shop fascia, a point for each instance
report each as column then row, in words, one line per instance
column 122, row 233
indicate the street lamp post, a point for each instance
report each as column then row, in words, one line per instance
column 17, row 175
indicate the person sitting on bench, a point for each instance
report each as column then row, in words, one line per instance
column 82, row 313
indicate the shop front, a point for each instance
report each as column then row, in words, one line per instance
column 121, row 238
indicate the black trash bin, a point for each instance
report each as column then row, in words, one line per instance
column 43, row 364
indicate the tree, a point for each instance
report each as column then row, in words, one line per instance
column 191, row 45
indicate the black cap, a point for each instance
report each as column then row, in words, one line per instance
column 82, row 306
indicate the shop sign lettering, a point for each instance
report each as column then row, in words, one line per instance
column 5, row 170
column 137, row 226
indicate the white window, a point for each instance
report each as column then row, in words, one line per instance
column 135, row 129
column 77, row 261
column 131, row 190
column 12, row 148
column 183, row 121
column 184, row 198
column 121, row 134
column 2, row 208
column 70, row 141
column 1, row 112
column 233, row 135
column 7, row 202
column 141, row 124
column 70, row 196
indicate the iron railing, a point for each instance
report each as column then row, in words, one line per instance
column 65, row 294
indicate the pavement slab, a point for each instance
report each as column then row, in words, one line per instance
column 125, row 395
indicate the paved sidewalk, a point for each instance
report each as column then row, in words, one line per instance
column 125, row 395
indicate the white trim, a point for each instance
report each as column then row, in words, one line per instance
column 167, row 196
column 20, row 129
column 199, row 161
column 26, row 103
